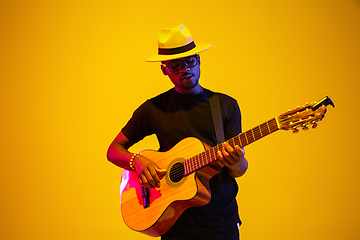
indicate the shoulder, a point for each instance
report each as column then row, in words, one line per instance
column 223, row 98
column 161, row 97
column 229, row 106
column 155, row 101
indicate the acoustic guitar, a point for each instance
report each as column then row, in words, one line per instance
column 190, row 164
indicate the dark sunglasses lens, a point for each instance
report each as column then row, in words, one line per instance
column 190, row 62
column 174, row 66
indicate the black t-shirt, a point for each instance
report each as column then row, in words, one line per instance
column 172, row 116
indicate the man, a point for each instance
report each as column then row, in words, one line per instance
column 181, row 112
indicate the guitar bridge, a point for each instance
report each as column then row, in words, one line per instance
column 145, row 194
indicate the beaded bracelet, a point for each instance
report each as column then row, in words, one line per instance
column 132, row 160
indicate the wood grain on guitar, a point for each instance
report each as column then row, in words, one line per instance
column 190, row 164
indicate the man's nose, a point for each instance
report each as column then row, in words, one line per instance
column 183, row 67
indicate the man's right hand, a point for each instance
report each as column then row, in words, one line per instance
column 148, row 172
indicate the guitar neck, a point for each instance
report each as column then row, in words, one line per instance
column 201, row 160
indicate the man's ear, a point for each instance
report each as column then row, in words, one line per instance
column 163, row 70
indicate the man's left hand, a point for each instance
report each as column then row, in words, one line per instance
column 234, row 160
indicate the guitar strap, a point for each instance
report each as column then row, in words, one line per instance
column 217, row 120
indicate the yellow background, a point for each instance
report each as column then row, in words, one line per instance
column 72, row 72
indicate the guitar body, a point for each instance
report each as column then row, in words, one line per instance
column 168, row 202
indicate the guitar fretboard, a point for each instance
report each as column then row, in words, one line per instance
column 202, row 159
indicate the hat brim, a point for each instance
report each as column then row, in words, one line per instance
column 198, row 49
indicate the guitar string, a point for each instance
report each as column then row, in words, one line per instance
column 192, row 164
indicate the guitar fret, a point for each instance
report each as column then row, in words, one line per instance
column 238, row 141
column 218, row 148
column 205, row 159
column 243, row 140
column 184, row 163
column 208, row 155
column 267, row 123
column 233, row 142
column 264, row 129
column 186, row 167
column 202, row 159
column 257, row 133
column 189, row 165
column 249, row 136
column 260, row 131
column 275, row 125
column 211, row 154
column 252, row 130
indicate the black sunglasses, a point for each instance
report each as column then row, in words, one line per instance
column 176, row 65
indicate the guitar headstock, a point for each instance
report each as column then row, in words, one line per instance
column 310, row 113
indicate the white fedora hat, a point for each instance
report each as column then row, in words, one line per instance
column 176, row 43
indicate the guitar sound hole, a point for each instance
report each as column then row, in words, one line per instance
column 177, row 172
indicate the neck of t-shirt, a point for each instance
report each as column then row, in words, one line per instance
column 194, row 91
column 200, row 96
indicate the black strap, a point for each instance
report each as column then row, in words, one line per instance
column 217, row 120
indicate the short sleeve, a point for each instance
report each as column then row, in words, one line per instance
column 232, row 117
column 139, row 125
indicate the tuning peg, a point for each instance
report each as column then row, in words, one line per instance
column 295, row 130
column 304, row 127
column 314, row 124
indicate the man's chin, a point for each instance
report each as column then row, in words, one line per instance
column 188, row 86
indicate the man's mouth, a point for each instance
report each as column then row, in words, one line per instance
column 186, row 76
